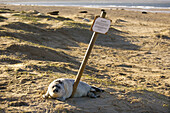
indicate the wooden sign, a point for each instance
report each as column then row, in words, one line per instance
column 101, row 25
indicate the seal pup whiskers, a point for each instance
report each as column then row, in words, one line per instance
column 62, row 89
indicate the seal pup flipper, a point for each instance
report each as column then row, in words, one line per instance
column 96, row 89
column 91, row 95
column 46, row 95
column 61, row 99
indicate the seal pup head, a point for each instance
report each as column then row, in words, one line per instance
column 56, row 89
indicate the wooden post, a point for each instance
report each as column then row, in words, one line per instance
column 88, row 51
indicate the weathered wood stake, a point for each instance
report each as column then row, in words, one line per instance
column 88, row 51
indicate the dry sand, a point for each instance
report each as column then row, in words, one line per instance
column 131, row 63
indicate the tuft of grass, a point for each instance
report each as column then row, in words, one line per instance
column 73, row 24
column 165, row 105
column 61, row 18
column 98, row 80
column 28, row 17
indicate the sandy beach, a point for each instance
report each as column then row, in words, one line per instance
column 131, row 63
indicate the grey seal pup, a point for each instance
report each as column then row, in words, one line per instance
column 61, row 89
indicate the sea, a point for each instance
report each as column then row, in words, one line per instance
column 160, row 7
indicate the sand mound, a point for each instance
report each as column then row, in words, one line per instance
column 24, row 27
column 39, row 53
column 2, row 18
column 9, row 60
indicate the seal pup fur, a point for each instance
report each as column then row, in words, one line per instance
column 62, row 89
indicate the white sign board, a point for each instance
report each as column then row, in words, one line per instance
column 101, row 25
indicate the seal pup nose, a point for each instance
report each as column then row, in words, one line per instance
column 55, row 90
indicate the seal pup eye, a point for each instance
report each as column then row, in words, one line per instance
column 59, row 81
column 56, row 86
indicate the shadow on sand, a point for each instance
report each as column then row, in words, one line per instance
column 64, row 37
column 141, row 101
